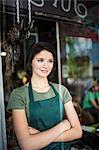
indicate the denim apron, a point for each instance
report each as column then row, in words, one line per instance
column 46, row 114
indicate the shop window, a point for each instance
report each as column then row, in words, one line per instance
column 33, row 38
column 79, row 58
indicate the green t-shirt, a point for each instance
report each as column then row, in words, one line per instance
column 97, row 95
column 19, row 98
column 88, row 99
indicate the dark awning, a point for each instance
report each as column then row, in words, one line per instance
column 61, row 9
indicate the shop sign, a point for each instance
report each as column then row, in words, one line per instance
column 62, row 8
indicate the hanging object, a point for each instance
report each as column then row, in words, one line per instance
column 29, row 9
column 17, row 5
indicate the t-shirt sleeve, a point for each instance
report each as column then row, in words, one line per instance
column 91, row 96
column 63, row 93
column 17, row 99
column 66, row 95
column 97, row 95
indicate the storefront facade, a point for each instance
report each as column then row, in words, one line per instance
column 61, row 23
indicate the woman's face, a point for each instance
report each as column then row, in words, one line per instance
column 42, row 64
column 96, row 88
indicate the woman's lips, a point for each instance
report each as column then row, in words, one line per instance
column 44, row 71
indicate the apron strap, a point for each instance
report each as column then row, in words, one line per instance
column 30, row 92
column 56, row 93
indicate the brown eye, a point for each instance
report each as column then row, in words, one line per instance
column 51, row 61
column 40, row 60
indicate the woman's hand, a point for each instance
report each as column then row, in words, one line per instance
column 33, row 130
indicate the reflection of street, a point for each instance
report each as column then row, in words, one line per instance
column 79, row 87
column 90, row 139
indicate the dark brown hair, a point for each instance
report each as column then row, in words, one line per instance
column 37, row 48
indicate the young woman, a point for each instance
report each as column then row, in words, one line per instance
column 38, row 108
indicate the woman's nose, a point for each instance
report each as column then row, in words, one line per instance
column 45, row 64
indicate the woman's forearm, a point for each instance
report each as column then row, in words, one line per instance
column 75, row 131
column 33, row 130
column 42, row 139
column 69, row 135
